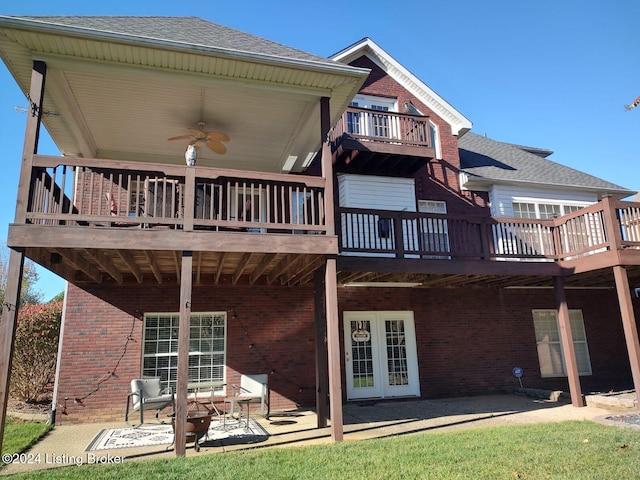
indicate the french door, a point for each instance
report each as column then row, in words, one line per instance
column 380, row 355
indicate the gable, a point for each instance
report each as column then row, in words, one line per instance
column 412, row 84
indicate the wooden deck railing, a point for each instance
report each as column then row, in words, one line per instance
column 109, row 193
column 381, row 126
column 605, row 226
column 80, row 191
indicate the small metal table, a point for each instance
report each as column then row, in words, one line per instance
column 240, row 401
column 198, row 387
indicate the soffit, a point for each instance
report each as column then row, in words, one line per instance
column 123, row 99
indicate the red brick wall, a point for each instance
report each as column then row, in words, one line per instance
column 440, row 179
column 277, row 322
column 468, row 340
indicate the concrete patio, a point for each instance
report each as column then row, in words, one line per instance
column 364, row 420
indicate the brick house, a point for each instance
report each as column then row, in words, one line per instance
column 342, row 231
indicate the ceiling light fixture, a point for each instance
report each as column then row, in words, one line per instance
column 383, row 284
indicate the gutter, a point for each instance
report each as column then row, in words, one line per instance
column 484, row 182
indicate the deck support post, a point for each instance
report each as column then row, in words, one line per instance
column 333, row 352
column 180, row 419
column 8, row 330
column 16, row 258
column 629, row 325
column 331, row 282
column 322, row 373
column 566, row 338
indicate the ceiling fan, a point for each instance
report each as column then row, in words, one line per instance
column 213, row 140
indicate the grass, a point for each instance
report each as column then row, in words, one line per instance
column 21, row 434
column 567, row 450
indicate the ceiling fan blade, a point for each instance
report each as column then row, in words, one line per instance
column 217, row 147
column 218, row 136
column 197, row 133
column 181, row 137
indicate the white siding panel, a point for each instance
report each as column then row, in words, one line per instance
column 502, row 197
column 377, row 193
column 373, row 193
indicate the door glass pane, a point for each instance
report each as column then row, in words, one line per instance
column 396, row 352
column 362, row 354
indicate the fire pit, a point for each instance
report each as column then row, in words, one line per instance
column 198, row 422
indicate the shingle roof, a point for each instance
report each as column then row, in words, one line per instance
column 190, row 31
column 501, row 162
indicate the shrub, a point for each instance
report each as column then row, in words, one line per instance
column 35, row 349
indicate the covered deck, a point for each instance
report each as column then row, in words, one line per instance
column 101, row 221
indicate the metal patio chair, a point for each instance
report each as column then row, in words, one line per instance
column 148, row 394
column 252, row 389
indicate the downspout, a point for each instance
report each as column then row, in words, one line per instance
column 56, row 383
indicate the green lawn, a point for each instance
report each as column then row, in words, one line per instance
column 568, row 450
column 20, row 434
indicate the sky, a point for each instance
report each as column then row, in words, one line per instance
column 546, row 73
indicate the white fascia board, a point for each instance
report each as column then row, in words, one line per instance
column 459, row 123
column 471, row 182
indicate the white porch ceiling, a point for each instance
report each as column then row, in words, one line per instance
column 120, row 99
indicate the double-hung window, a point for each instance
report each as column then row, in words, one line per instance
column 207, row 347
column 549, row 342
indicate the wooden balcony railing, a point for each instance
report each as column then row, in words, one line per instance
column 381, row 126
column 80, row 191
column 606, row 226
column 108, row 193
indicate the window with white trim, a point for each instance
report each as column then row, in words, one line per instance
column 372, row 124
column 207, row 347
column 435, row 230
column 435, row 139
column 542, row 210
column 549, row 343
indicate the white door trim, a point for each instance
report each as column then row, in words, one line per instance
column 370, row 347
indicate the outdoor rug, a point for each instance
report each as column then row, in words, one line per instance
column 148, row 435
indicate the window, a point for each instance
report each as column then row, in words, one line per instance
column 432, row 206
column 370, row 124
column 532, row 209
column 550, row 355
column 578, row 234
column 353, row 120
column 207, row 347
column 435, row 139
column 435, row 230
column 524, row 210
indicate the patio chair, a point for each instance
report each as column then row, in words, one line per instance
column 252, row 389
column 147, row 394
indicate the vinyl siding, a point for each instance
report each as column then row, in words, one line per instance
column 502, row 198
column 377, row 193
